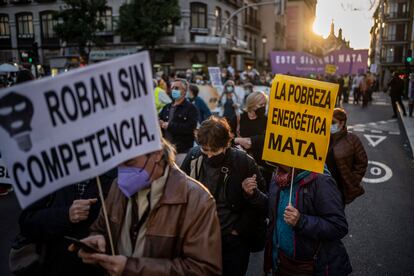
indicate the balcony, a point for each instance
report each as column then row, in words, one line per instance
column 25, row 40
column 235, row 3
column 252, row 24
column 50, row 42
column 5, row 42
column 397, row 16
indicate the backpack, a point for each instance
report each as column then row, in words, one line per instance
column 252, row 222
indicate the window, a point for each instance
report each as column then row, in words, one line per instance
column 401, row 32
column 389, row 54
column 169, row 29
column 48, row 24
column 4, row 26
column 217, row 13
column 227, row 26
column 24, row 25
column 106, row 19
column 198, row 15
column 235, row 26
column 389, row 32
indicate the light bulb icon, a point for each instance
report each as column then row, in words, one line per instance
column 16, row 113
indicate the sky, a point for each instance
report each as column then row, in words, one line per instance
column 353, row 16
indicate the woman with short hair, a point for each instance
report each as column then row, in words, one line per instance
column 346, row 160
column 249, row 129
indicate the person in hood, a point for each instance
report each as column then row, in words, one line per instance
column 304, row 236
column 178, row 119
column 163, row 222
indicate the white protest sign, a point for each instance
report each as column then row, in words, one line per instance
column 4, row 174
column 58, row 131
column 215, row 76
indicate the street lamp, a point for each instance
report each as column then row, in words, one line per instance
column 264, row 41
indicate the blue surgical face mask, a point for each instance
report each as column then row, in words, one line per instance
column 334, row 128
column 229, row 88
column 133, row 179
column 176, row 94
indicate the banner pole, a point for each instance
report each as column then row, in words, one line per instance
column 291, row 186
column 108, row 229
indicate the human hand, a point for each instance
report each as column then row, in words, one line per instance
column 249, row 185
column 246, row 143
column 115, row 265
column 291, row 215
column 163, row 125
column 96, row 241
column 79, row 210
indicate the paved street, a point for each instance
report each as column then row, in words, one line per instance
column 381, row 222
column 381, row 225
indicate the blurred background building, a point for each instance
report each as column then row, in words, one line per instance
column 392, row 38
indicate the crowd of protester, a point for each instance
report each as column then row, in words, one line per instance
column 204, row 202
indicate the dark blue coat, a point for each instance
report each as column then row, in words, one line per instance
column 46, row 222
column 203, row 110
column 322, row 225
column 182, row 125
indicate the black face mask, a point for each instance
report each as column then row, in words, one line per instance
column 215, row 161
column 261, row 111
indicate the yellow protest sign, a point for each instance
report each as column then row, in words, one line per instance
column 299, row 122
column 330, row 69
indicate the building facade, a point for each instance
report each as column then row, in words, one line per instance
column 391, row 37
column 300, row 15
column 193, row 43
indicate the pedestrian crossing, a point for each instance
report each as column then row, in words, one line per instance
column 389, row 127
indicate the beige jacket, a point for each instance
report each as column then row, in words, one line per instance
column 183, row 232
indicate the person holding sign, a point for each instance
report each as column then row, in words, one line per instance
column 304, row 236
column 234, row 179
column 163, row 222
column 178, row 119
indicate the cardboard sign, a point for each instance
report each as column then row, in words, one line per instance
column 330, row 69
column 4, row 174
column 215, row 76
column 61, row 130
column 299, row 122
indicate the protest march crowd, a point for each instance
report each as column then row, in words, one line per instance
column 207, row 197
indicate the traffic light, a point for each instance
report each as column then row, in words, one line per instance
column 409, row 57
column 30, row 57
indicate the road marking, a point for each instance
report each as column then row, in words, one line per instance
column 378, row 169
column 376, row 131
column 374, row 140
column 359, row 129
column 394, row 132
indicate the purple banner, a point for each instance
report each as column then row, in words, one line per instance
column 300, row 63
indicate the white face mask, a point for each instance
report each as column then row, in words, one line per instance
column 334, row 128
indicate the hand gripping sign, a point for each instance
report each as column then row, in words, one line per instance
column 299, row 122
column 61, row 130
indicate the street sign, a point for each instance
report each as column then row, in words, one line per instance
column 330, row 69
